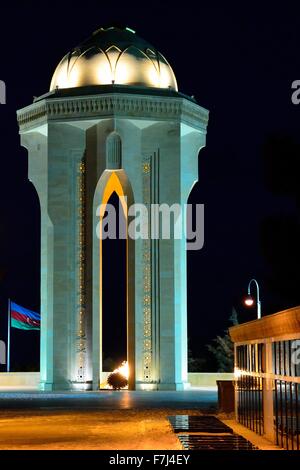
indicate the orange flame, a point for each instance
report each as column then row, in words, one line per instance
column 123, row 369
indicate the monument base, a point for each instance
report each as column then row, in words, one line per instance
column 180, row 386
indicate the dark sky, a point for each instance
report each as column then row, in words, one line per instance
column 239, row 64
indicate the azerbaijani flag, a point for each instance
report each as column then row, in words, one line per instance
column 24, row 319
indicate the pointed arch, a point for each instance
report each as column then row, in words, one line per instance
column 112, row 181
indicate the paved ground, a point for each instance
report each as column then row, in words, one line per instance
column 109, row 400
column 259, row 441
column 96, row 420
column 102, row 420
column 87, row 430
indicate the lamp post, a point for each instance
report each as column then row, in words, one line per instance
column 249, row 300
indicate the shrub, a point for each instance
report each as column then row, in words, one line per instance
column 117, row 380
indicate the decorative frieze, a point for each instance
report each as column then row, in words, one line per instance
column 124, row 105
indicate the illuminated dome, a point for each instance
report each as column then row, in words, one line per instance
column 114, row 56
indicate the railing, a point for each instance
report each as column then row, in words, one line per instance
column 286, row 394
column 267, row 377
column 249, row 387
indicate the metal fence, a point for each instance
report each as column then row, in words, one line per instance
column 267, row 390
column 267, row 376
column 249, row 386
column 286, row 394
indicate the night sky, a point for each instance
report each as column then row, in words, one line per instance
column 239, row 64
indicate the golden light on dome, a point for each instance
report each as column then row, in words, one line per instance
column 165, row 76
column 127, row 60
column 153, row 75
column 60, row 77
column 74, row 78
column 123, row 70
column 103, row 72
column 113, row 54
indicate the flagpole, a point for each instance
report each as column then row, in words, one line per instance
column 8, row 338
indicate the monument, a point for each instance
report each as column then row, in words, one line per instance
column 113, row 121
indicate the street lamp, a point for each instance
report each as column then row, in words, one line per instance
column 249, row 301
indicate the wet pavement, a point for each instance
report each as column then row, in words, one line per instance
column 110, row 400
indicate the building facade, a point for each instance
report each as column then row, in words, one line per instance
column 113, row 121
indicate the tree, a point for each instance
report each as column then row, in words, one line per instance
column 195, row 364
column 222, row 347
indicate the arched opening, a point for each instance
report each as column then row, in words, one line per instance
column 114, row 281
column 114, row 187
